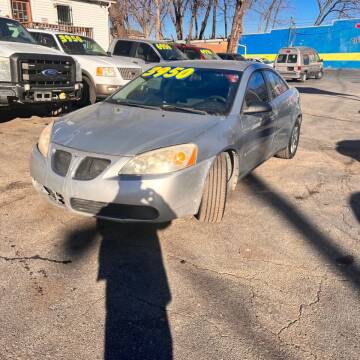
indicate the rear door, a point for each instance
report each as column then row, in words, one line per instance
column 281, row 126
column 257, row 128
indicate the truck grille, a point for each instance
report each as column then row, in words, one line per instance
column 129, row 73
column 45, row 71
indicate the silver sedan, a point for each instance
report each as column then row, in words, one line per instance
column 173, row 142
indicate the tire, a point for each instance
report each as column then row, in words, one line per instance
column 213, row 200
column 88, row 96
column 303, row 77
column 292, row 146
column 319, row 75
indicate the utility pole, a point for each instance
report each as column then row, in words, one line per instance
column 292, row 29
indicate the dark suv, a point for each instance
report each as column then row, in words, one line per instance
column 145, row 52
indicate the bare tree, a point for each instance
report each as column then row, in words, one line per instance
column 339, row 8
column 177, row 16
column 205, row 19
column 215, row 6
column 118, row 13
column 158, row 34
column 237, row 25
column 269, row 11
column 194, row 4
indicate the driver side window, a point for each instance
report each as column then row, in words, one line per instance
column 256, row 90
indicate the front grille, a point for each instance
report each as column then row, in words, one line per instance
column 60, row 162
column 90, row 168
column 115, row 211
column 129, row 73
column 45, row 71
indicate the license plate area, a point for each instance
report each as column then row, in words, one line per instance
column 42, row 96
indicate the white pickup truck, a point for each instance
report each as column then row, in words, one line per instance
column 102, row 74
column 30, row 73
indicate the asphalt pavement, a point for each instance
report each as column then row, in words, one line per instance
column 279, row 278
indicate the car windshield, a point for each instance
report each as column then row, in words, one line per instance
column 184, row 89
column 169, row 52
column 14, row 32
column 80, row 45
column 208, row 54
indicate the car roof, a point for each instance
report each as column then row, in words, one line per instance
column 149, row 41
column 216, row 64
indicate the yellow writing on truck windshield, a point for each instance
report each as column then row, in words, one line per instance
column 206, row 51
column 70, row 38
column 163, row 47
column 167, row 72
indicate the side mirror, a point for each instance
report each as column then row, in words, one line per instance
column 258, row 107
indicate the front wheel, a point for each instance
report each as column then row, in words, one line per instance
column 88, row 95
column 291, row 148
column 213, row 200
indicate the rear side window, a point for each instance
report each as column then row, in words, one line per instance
column 276, row 84
column 146, row 53
column 122, row 48
column 45, row 40
column 256, row 90
column 306, row 60
column 191, row 54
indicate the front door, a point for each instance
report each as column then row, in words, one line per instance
column 258, row 129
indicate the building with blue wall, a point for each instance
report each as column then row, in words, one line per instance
column 338, row 43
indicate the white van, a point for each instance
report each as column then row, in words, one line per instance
column 299, row 63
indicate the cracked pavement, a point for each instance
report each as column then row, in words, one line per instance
column 279, row 278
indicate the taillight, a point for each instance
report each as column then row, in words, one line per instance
column 299, row 68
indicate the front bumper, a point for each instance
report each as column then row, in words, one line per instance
column 105, row 90
column 16, row 93
column 120, row 198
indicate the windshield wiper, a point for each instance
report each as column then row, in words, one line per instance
column 129, row 103
column 170, row 107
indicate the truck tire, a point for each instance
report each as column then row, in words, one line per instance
column 213, row 200
column 291, row 148
column 319, row 75
column 88, row 96
column 303, row 77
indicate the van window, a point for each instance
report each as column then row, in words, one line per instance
column 122, row 48
column 306, row 59
column 292, row 58
column 281, row 58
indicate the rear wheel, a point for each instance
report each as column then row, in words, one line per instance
column 303, row 77
column 290, row 150
column 319, row 75
column 213, row 200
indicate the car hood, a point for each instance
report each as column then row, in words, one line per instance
column 112, row 129
column 8, row 48
column 105, row 61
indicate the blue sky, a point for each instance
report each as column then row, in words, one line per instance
column 304, row 13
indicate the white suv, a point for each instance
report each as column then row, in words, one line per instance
column 102, row 74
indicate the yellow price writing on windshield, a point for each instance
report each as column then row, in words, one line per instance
column 167, row 72
column 70, row 38
column 206, row 51
column 163, row 46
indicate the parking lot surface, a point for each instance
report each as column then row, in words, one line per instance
column 279, row 278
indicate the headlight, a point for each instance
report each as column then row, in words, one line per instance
column 162, row 161
column 78, row 72
column 106, row 71
column 44, row 139
column 5, row 74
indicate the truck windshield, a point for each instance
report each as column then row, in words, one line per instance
column 80, row 45
column 12, row 31
column 169, row 52
column 183, row 89
column 208, row 54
